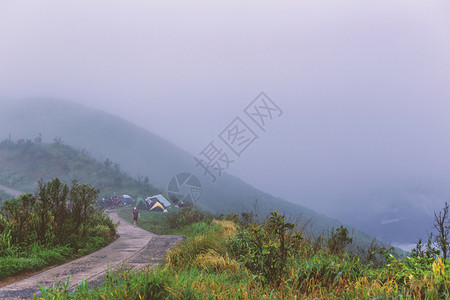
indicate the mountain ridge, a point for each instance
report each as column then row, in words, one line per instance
column 143, row 153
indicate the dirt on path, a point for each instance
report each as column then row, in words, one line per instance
column 135, row 248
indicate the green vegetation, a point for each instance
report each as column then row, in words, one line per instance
column 138, row 151
column 24, row 163
column 175, row 221
column 237, row 258
column 439, row 241
column 56, row 223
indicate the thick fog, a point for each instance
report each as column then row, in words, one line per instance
column 363, row 85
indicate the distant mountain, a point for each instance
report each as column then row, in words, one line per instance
column 140, row 153
column 392, row 218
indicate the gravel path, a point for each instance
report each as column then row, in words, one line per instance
column 134, row 248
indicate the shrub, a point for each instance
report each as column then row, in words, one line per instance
column 339, row 240
column 101, row 231
column 13, row 265
column 56, row 222
column 328, row 269
column 185, row 216
column 54, row 255
column 6, row 246
column 265, row 248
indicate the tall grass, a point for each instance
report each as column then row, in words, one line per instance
column 210, row 265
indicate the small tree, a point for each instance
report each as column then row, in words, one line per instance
column 58, row 140
column 439, row 242
column 265, row 248
column 107, row 163
column 82, row 198
column 441, row 239
column 19, row 212
column 427, row 250
column 339, row 240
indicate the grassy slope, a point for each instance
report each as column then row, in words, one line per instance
column 22, row 165
column 155, row 222
column 205, row 267
column 141, row 152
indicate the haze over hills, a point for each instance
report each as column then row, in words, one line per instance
column 363, row 87
column 142, row 153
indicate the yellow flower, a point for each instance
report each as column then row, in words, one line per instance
column 438, row 268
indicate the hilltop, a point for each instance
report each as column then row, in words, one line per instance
column 24, row 163
column 141, row 154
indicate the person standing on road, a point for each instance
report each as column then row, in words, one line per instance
column 135, row 216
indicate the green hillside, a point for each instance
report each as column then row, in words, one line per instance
column 24, row 163
column 139, row 152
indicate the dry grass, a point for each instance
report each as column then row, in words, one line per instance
column 212, row 261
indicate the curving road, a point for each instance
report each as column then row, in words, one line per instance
column 135, row 248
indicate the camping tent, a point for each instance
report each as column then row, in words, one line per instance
column 156, row 206
column 160, row 198
column 127, row 199
column 142, row 205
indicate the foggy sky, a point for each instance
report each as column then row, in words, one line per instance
column 364, row 86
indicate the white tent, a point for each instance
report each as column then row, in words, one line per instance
column 127, row 199
column 160, row 198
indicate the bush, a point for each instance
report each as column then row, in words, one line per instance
column 13, row 265
column 186, row 216
column 51, row 225
column 54, row 255
column 265, row 248
column 339, row 240
column 328, row 269
column 6, row 246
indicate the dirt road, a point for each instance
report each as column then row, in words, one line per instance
column 135, row 248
